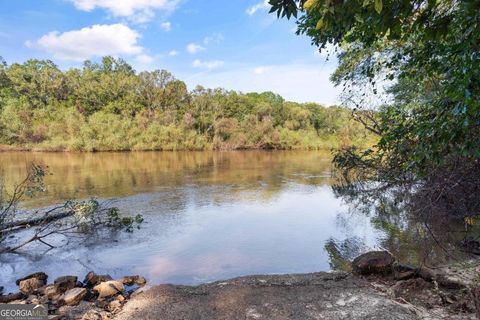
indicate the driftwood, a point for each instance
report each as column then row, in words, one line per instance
column 35, row 221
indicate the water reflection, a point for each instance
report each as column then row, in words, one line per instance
column 412, row 237
column 109, row 175
column 209, row 216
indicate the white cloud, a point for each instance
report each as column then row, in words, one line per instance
column 209, row 65
column 95, row 41
column 213, row 38
column 259, row 6
column 144, row 58
column 173, row 53
column 166, row 26
column 295, row 82
column 193, row 48
column 260, row 70
column 140, row 11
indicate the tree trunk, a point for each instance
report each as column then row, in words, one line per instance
column 34, row 221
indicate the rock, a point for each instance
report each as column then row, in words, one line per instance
column 49, row 291
column 374, row 262
column 76, row 311
column 131, row 280
column 38, row 275
column 65, row 283
column 114, row 306
column 90, row 296
column 141, row 281
column 92, row 279
column 120, row 298
column 31, row 285
column 92, row 315
column 102, row 304
column 109, row 288
column 104, row 278
column 11, row 297
column 73, row 296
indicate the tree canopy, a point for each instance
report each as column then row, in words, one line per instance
column 423, row 55
column 107, row 105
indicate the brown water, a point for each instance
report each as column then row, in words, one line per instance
column 208, row 215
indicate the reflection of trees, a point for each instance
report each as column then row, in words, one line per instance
column 411, row 237
column 342, row 252
column 108, row 175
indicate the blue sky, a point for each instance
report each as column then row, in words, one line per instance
column 236, row 44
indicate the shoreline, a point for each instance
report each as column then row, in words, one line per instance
column 321, row 295
column 378, row 288
column 4, row 148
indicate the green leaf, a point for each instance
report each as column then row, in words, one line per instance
column 378, row 6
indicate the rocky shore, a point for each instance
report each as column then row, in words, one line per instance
column 97, row 297
column 377, row 288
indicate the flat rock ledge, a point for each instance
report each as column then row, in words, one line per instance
column 303, row 296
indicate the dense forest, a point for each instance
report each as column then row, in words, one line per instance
column 107, row 106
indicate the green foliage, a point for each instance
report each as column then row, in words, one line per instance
column 106, row 106
column 89, row 216
column 426, row 55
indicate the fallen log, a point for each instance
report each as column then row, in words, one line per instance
column 45, row 218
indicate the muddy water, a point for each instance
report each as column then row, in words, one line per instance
column 208, row 215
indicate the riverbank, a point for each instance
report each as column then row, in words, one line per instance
column 378, row 288
column 303, row 296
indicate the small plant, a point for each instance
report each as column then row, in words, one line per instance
column 72, row 219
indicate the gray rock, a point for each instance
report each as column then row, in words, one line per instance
column 92, row 279
column 73, row 296
column 374, row 262
column 109, row 289
column 131, row 280
column 65, row 283
column 11, row 297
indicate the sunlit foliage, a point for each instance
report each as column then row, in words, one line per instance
column 108, row 106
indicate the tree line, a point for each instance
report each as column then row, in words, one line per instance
column 108, row 106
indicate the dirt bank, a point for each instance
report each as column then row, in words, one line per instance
column 304, row 296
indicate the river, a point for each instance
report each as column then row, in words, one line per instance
column 208, row 215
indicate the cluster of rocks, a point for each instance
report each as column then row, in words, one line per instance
column 98, row 297
column 449, row 287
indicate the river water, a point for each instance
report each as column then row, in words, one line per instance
column 208, row 215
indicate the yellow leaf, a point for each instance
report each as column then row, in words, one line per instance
column 319, row 24
column 309, row 4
